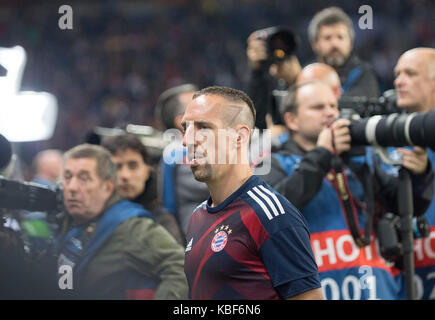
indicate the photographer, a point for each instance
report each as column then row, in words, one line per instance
column 115, row 248
column 305, row 171
column 269, row 72
column 415, row 85
column 331, row 35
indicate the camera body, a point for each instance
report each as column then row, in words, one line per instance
column 15, row 195
column 388, row 229
column 367, row 107
column 281, row 42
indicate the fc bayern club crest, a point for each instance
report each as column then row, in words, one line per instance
column 219, row 241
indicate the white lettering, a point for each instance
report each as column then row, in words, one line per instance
column 329, row 251
column 418, row 249
column 351, row 280
column 66, row 280
column 66, row 21
column 335, row 292
column 340, row 248
column 366, row 20
column 427, row 245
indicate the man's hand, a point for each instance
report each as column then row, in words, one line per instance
column 256, row 51
column 341, row 138
column 287, row 69
column 414, row 160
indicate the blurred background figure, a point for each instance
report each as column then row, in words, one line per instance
column 48, row 167
column 273, row 67
column 137, row 180
column 332, row 35
column 36, row 227
column 321, row 72
column 181, row 192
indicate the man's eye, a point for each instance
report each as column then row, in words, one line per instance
column 132, row 165
column 84, row 178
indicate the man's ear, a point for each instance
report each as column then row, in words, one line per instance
column 109, row 186
column 314, row 46
column 243, row 135
column 177, row 122
column 291, row 121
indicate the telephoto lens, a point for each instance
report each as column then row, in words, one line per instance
column 396, row 130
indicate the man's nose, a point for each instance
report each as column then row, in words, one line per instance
column 124, row 173
column 335, row 42
column 71, row 185
column 189, row 136
column 398, row 81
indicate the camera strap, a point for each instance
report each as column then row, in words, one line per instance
column 347, row 201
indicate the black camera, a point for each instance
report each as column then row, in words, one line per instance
column 30, row 196
column 367, row 107
column 281, row 42
column 388, row 233
column 395, row 130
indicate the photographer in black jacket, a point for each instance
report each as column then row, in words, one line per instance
column 273, row 66
column 331, row 35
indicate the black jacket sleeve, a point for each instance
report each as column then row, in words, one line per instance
column 259, row 89
column 301, row 186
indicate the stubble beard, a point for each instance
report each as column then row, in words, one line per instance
column 202, row 173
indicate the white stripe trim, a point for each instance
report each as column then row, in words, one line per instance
column 271, row 205
column 274, row 197
column 266, row 211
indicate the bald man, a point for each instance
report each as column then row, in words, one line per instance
column 48, row 167
column 415, row 80
column 322, row 72
column 415, row 85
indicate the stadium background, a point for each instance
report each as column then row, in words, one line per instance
column 120, row 55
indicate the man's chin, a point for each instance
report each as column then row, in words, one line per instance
column 407, row 106
column 200, row 173
column 336, row 61
column 129, row 194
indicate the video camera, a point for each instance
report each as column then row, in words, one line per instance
column 29, row 196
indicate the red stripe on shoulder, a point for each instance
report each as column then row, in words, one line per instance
column 254, row 226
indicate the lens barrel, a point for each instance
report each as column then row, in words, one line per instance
column 396, row 130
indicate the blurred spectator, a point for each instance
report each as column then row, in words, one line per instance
column 268, row 74
column 181, row 192
column 137, row 180
column 48, row 167
column 36, row 228
column 331, row 36
column 322, row 72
